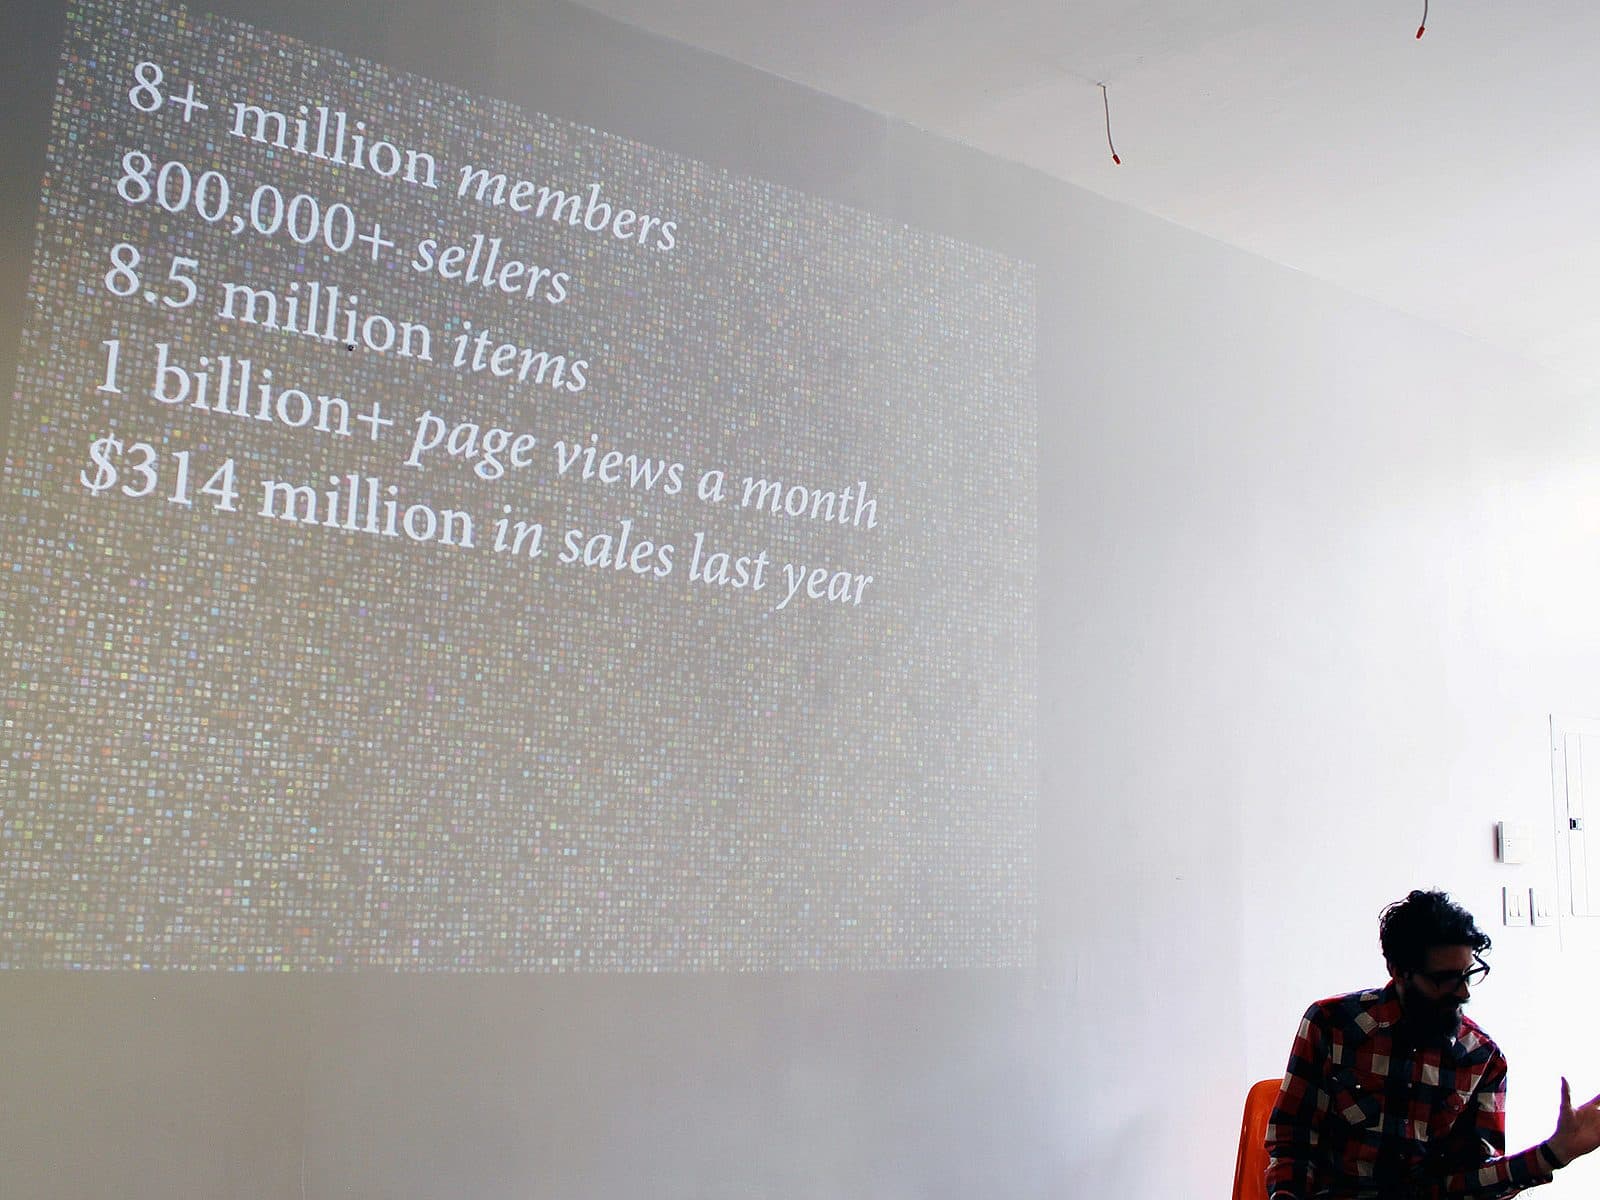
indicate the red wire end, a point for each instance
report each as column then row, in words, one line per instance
column 1421, row 29
column 1117, row 158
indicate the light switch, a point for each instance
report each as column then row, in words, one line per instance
column 1541, row 909
column 1515, row 900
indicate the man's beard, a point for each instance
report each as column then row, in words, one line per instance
column 1429, row 1020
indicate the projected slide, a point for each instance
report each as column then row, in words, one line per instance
column 443, row 538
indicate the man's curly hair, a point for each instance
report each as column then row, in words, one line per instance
column 1409, row 928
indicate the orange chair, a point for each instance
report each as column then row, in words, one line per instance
column 1250, row 1168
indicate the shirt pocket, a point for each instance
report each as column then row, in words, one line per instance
column 1447, row 1111
column 1356, row 1100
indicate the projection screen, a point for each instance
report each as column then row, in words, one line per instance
column 442, row 537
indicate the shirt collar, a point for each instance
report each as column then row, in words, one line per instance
column 1385, row 1013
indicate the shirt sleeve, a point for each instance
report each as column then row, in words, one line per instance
column 1476, row 1163
column 1294, row 1130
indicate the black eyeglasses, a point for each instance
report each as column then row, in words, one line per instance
column 1453, row 979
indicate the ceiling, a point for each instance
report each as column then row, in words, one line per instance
column 1455, row 177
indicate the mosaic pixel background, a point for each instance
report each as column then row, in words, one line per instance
column 237, row 743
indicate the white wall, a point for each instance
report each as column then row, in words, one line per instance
column 1316, row 576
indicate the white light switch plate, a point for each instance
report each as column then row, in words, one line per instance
column 1515, row 900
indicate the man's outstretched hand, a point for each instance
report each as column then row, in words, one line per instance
column 1577, row 1129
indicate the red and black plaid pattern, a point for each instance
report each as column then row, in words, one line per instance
column 1365, row 1114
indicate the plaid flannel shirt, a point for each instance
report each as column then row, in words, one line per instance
column 1363, row 1113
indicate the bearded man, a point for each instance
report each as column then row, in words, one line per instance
column 1394, row 1094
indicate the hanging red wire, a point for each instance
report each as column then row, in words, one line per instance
column 1107, row 105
